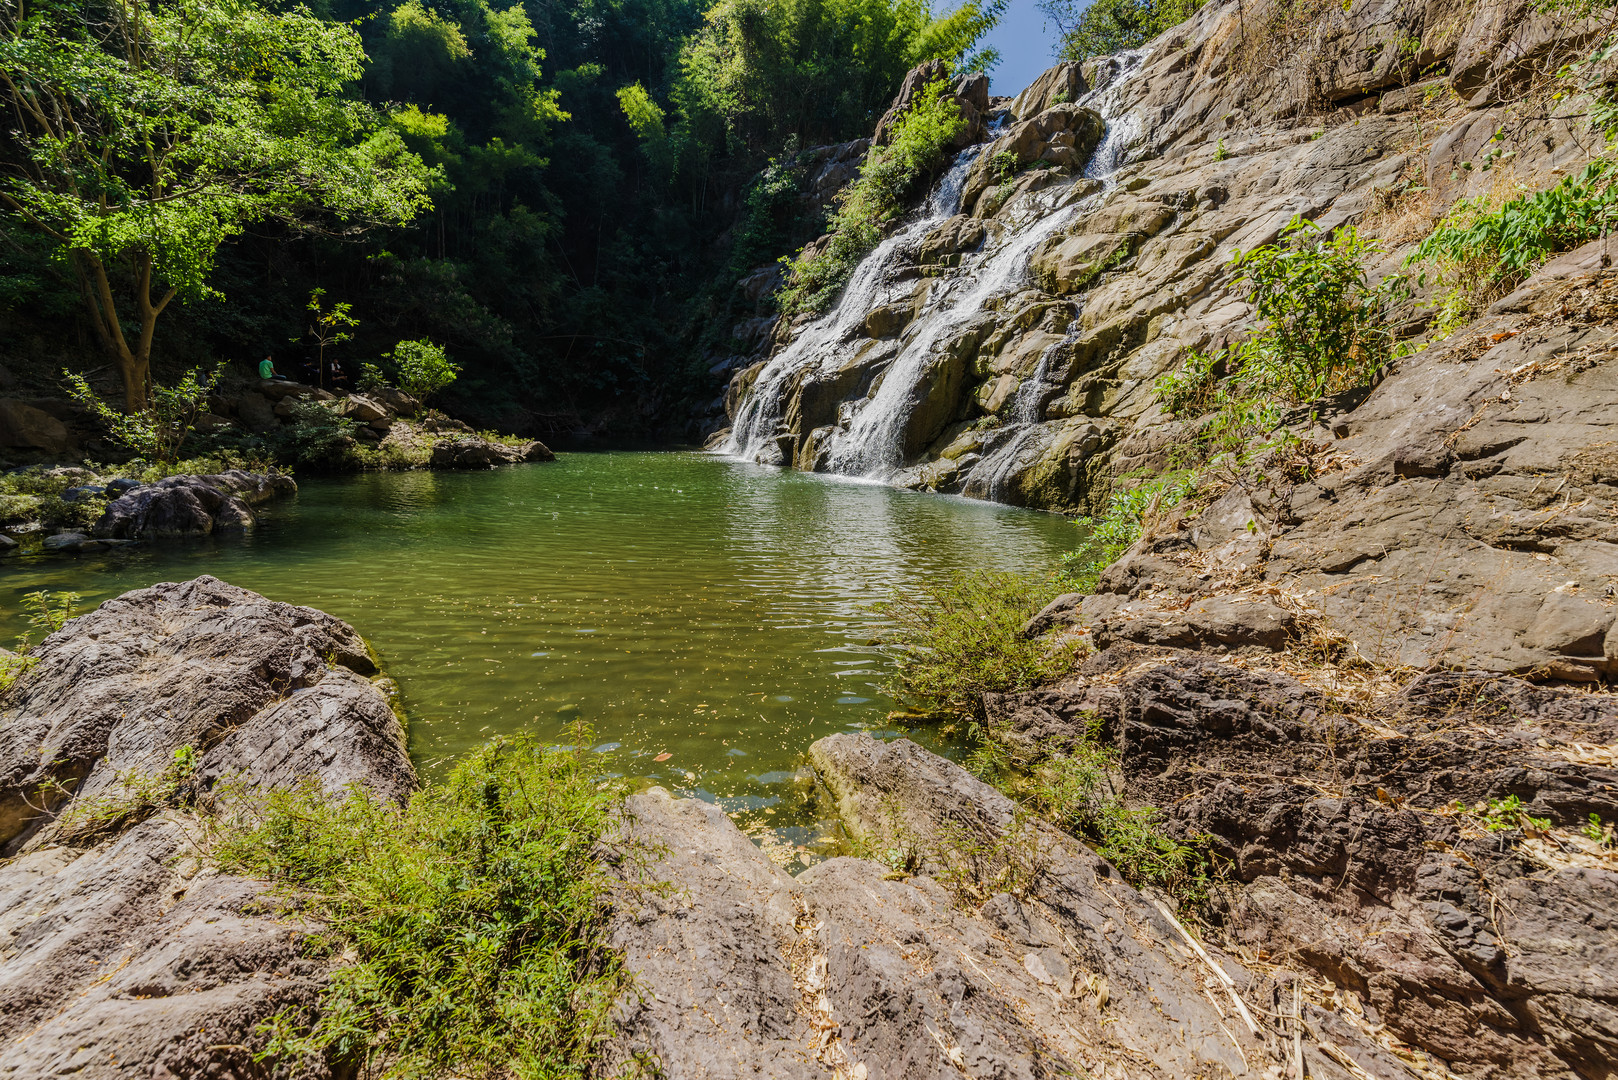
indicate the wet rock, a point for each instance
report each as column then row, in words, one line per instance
column 476, row 452
column 123, row 952
column 191, row 505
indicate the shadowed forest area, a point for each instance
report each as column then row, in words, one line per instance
column 556, row 193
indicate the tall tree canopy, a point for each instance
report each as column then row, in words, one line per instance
column 554, row 189
column 145, row 135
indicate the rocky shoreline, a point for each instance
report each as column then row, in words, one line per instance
column 1365, row 925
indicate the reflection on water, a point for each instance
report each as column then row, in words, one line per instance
column 680, row 604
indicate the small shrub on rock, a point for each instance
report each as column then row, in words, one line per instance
column 955, row 639
column 474, row 917
column 422, row 368
column 157, row 432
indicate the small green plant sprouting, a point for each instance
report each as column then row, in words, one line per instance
column 135, row 797
column 1003, row 166
column 475, row 916
column 1220, row 152
column 48, row 612
column 1074, row 790
column 156, row 433
column 1509, row 813
column 1596, row 831
column 956, row 638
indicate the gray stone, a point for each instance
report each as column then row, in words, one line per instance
column 122, row 950
column 191, row 505
column 25, row 427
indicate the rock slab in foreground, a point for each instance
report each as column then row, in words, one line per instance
column 127, row 955
column 851, row 969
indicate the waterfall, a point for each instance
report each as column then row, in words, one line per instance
column 759, row 417
column 868, row 441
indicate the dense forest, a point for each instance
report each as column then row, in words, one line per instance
column 560, row 193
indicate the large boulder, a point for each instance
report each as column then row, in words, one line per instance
column 191, row 505
column 476, row 452
column 24, row 427
column 1059, row 85
column 123, row 950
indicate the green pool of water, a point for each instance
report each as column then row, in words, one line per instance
column 679, row 603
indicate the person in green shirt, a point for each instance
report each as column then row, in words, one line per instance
column 266, row 370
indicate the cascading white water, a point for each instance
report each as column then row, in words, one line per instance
column 1018, row 443
column 872, row 445
column 869, row 440
column 759, row 417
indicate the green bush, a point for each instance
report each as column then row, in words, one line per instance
column 957, row 638
column 1479, row 254
column 1090, row 28
column 474, row 918
column 920, row 140
column 1325, row 325
column 1110, row 535
column 156, row 432
column 421, row 368
column 319, row 436
column 1074, row 790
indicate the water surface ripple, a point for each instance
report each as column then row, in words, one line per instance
column 681, row 604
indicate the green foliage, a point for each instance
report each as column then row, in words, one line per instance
column 1479, row 254
column 328, row 326
column 1508, row 813
column 954, row 639
column 1193, row 389
column 144, row 139
column 1599, row 833
column 48, row 613
column 1325, row 325
column 372, row 378
column 319, row 436
column 1110, row 535
column 475, row 917
column 1090, row 28
column 134, row 797
column 1220, row 152
column 422, row 368
column 890, row 174
column 758, row 71
column 1075, row 790
column 157, row 432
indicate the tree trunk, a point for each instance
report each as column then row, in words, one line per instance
column 134, row 364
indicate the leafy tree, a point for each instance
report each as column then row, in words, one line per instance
column 156, row 431
column 423, row 369
column 143, row 136
column 1100, row 27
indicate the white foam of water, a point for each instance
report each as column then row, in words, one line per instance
column 759, row 416
column 869, row 440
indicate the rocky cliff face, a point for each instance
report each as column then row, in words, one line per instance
column 1004, row 344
